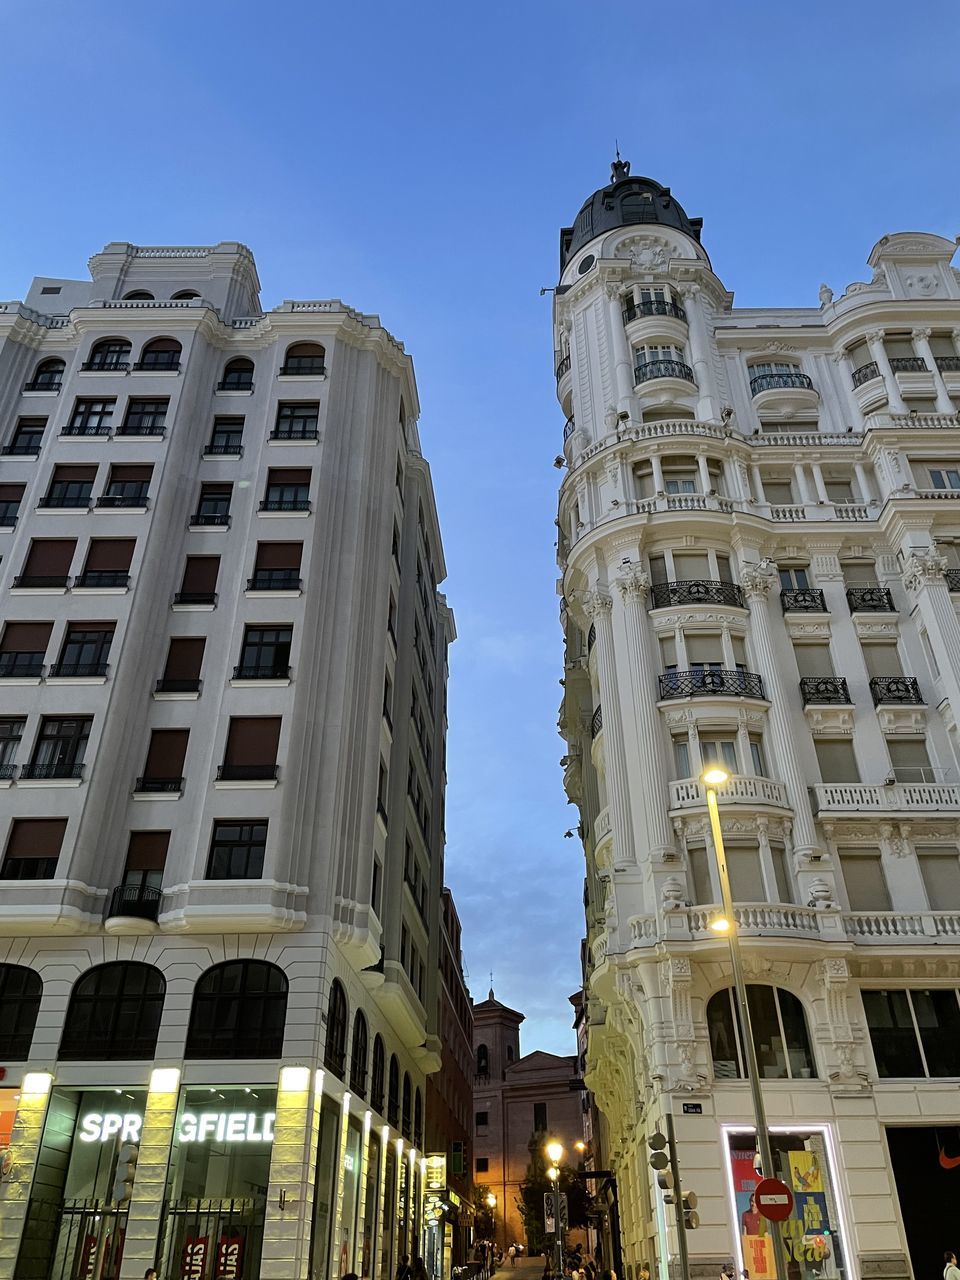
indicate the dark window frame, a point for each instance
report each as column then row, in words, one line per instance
column 358, row 1055
column 221, row 861
column 246, row 1021
column 335, row 1045
column 96, row 1017
column 21, row 990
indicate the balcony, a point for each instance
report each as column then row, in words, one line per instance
column 870, row 600
column 79, row 670
column 285, row 504
column 757, row 919
column 21, row 666
column 953, row 579
column 275, row 580
column 257, row 672
column 226, row 450
column 135, row 902
column 803, row 600
column 897, row 797
column 178, row 684
column 710, row 683
column 596, row 723
column 895, row 690
column 158, row 366
column 8, row 520
column 693, row 591
column 105, row 366
column 885, row 927
column 8, row 772
column 780, row 381
column 236, row 384
column 296, row 436
column 247, row 773
column 59, row 771
column 563, row 367
column 41, row 582
column 948, row 364
column 109, row 579
column 147, row 430
column 569, row 427
column 86, row 429
column 195, row 597
column 304, row 368
column 653, row 307
column 663, row 369
column 158, row 786
column 866, row 373
column 822, row 691
column 63, row 502
column 210, row 520
column 24, row 449
column 908, row 364
column 116, row 500
column 44, row 385
column 688, row 793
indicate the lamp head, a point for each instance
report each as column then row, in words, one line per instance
column 492, row 1200
column 716, row 776
column 554, row 1151
column 553, row 1173
column 720, row 924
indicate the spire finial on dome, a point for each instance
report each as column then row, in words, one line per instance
column 490, row 995
column 620, row 168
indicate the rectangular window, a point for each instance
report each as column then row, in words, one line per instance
column 795, row 579
column 719, row 751
column 90, row 418
column 127, row 487
column 701, row 862
column 199, row 583
column 11, row 732
column 48, row 563
column 483, row 1119
column 237, row 850
column 146, row 859
column 181, row 672
column 910, row 760
column 944, row 477
column 376, row 881
column 85, row 650
column 288, row 489
column 894, row 1037
column 23, row 648
column 483, row 1164
column 539, row 1117
column 70, row 486
column 813, row 660
column 382, row 783
column 658, row 569
column 265, row 654
column 864, row 880
column 757, row 759
column 681, row 757
column 704, row 651
column 781, row 871
column 277, row 567
column 11, row 495
column 837, row 760
column 163, row 770
column 145, row 418
column 746, row 876
column 213, row 505
column 778, row 493
column 251, row 751
column 33, row 848
column 60, row 748
column 108, row 563
column 882, row 658
column 940, row 871
column 27, row 437
column 668, row 653
column 296, row 421
column 226, row 438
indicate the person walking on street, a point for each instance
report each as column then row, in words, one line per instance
column 950, row 1271
column 403, row 1268
column 512, row 1255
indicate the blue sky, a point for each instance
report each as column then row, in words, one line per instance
column 418, row 160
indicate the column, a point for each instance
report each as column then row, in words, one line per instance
column 623, row 366
column 706, row 483
column 289, row 1213
column 757, row 483
column 879, row 353
column 145, row 1215
column 863, row 482
column 924, row 581
column 820, row 487
column 24, row 1150
column 921, row 344
column 707, row 406
column 726, row 644
column 845, row 367
column 757, row 581
column 634, row 584
column 657, row 466
column 803, row 485
column 598, row 607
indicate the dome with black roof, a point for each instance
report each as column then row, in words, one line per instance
column 625, row 202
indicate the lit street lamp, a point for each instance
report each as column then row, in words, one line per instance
column 491, row 1203
column 726, row 923
column 554, row 1153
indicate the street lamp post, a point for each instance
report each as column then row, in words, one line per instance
column 492, row 1206
column 727, row 923
column 554, row 1151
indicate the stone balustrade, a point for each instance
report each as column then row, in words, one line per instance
column 688, row 793
column 913, row 797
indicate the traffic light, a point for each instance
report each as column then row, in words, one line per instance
column 688, row 1203
column 657, row 1143
column 666, row 1185
column 126, row 1171
column 661, row 1161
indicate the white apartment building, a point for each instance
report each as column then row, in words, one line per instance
column 222, row 736
column 759, row 537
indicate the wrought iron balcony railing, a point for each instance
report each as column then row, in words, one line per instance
column 275, row 580
column 41, row 581
column 662, row 369
column 703, row 682
column 870, row 600
column 563, row 367
column 802, row 600
column 21, row 666
column 903, row 690
column 141, row 902
column 696, row 591
column 824, row 691
column 948, row 364
column 158, row 786
column 246, row 772
column 596, row 722
column 653, row 307
column 908, row 364
column 866, row 373
column 953, row 579
column 103, row 578
column 46, row 772
column 275, row 671
column 78, row 670
column 776, row 381
column 178, row 684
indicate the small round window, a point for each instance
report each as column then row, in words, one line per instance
column 585, row 264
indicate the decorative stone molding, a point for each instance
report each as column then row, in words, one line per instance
column 759, row 579
column 645, row 253
column 905, row 719
column 633, row 582
column 922, row 568
column 798, row 629
column 830, row 721
column 920, row 335
column 876, row 628
column 595, row 603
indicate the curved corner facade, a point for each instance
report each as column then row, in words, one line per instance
column 759, row 537
column 222, row 734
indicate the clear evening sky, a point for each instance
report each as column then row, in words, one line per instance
column 418, row 161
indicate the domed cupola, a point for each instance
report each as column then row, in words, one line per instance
column 625, row 202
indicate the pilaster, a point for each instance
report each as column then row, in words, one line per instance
column 598, row 606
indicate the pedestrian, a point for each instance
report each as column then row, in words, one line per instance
column 420, row 1271
column 351, row 1275
column 403, row 1268
column 512, row 1255
column 950, row 1271
column 151, row 1274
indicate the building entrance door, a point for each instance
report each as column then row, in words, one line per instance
column 926, row 1168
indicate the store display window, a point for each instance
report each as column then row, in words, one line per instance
column 328, row 1148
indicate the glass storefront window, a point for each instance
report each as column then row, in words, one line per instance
column 387, row 1240
column 327, row 1153
column 347, row 1215
column 9, row 1100
column 217, row 1183
column 812, row 1234
column 370, row 1206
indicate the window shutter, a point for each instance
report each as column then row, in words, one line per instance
column 77, row 474
column 166, row 753
column 135, row 473
column 882, row 659
column 26, row 637
column 184, row 658
column 113, row 554
column 859, row 575
column 746, row 880
column 11, row 492
column 200, row 574
column 288, row 475
column 216, row 490
column 691, row 567
column 813, row 659
column 940, row 869
column 36, row 837
column 865, row 882
column 147, row 850
column 50, row 557
column 668, row 651
column 279, row 555
column 837, row 760
column 704, row 649
column 253, row 740
column 658, row 569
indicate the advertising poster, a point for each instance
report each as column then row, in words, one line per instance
column 229, row 1257
column 754, row 1231
column 194, row 1259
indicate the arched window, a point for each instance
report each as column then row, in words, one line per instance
column 305, row 359
column 406, row 1119
column 183, row 294
column 377, row 1075
column 20, row 992
column 138, row 295
column 335, row 1051
column 358, row 1056
column 114, row 1012
column 48, row 376
column 239, row 1011
column 109, row 353
column 393, row 1091
column 780, row 1035
column 160, row 354
column 509, row 1052
column 418, row 1119
column 237, row 375
column 483, row 1060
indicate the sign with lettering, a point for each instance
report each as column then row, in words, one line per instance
column 693, row 1108
column 194, row 1257
column 220, row 1126
column 229, row 1258
column 436, row 1172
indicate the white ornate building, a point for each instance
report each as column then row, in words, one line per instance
column 222, row 738
column 759, row 536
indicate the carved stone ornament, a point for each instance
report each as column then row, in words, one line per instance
column 921, row 282
column 645, row 253
column 825, row 295
column 595, row 603
column 922, row 568
column 757, row 580
column 673, row 893
column 633, row 582
column 778, row 347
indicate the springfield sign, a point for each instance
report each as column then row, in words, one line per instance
column 206, row 1126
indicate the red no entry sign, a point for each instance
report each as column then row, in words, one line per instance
column 774, row 1199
